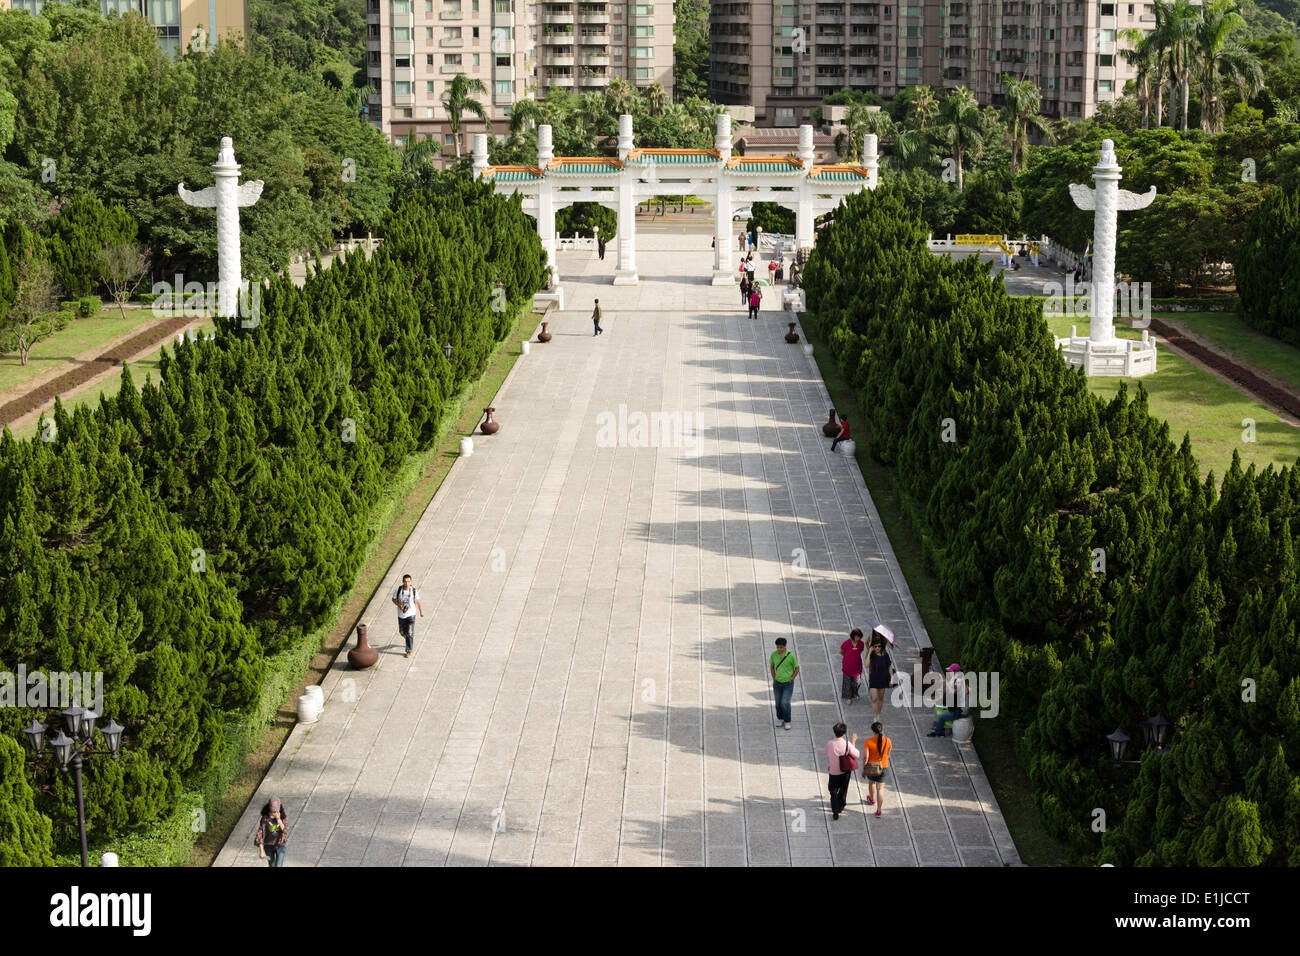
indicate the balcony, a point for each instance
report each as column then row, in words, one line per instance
column 566, row 81
column 595, row 57
column 558, row 17
column 452, row 41
column 558, row 60
column 601, row 80
column 451, row 15
column 601, row 38
column 452, row 68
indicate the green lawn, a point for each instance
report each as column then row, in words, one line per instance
column 1231, row 336
column 1194, row 401
column 147, row 366
column 81, row 335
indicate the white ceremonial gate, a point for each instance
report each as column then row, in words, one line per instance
column 714, row 174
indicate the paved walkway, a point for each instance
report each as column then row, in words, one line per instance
column 590, row 682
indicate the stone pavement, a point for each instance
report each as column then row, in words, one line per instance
column 590, row 682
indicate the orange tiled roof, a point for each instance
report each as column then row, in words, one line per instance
column 636, row 153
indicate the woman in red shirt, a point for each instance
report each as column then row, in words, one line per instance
column 844, row 432
column 851, row 664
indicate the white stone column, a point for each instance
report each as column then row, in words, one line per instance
column 804, row 215
column 722, row 207
column 871, row 158
column 480, row 154
column 625, row 272
column 546, row 202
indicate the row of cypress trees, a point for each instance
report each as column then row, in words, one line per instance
column 181, row 532
column 1081, row 552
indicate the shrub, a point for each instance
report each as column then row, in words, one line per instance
column 89, row 305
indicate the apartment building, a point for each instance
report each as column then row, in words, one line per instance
column 783, row 58
column 178, row 22
column 518, row 49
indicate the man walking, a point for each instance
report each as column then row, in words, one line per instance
column 755, row 297
column 600, row 248
column 595, row 318
column 407, row 599
column 784, row 668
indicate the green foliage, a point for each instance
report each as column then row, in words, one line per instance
column 1197, row 591
column 124, row 123
column 582, row 217
column 24, row 830
column 691, row 48
column 772, row 218
column 89, row 305
column 75, row 238
column 183, row 534
column 1268, row 267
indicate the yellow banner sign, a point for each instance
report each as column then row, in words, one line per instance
column 975, row 240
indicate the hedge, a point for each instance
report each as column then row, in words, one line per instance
column 186, row 538
column 1195, row 601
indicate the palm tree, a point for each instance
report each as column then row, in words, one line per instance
column 456, row 101
column 1141, row 54
column 1219, row 19
column 1183, row 23
column 418, row 155
column 656, row 99
column 923, row 108
column 525, row 115
column 621, row 95
column 1243, row 68
column 356, row 98
column 1159, row 42
column 960, row 128
column 1021, row 114
column 858, row 122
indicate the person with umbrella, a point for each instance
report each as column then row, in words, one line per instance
column 880, row 667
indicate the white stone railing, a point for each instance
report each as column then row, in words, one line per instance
column 574, row 242
column 1069, row 260
column 950, row 244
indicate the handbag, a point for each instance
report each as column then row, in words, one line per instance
column 848, row 763
column 875, row 769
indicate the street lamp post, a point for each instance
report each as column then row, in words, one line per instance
column 1155, row 734
column 68, row 752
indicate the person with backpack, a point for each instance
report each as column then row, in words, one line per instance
column 876, row 752
column 755, row 298
column 880, row 674
column 407, row 599
column 272, row 834
column 784, row 667
column 842, row 759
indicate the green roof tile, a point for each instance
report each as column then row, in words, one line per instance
column 764, row 168
column 584, row 169
column 839, row 177
column 514, row 176
column 677, row 159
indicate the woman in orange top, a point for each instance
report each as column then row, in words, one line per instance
column 875, row 757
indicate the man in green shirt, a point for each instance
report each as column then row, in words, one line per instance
column 785, row 668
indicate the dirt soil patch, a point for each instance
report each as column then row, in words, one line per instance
column 75, row 378
column 1268, row 392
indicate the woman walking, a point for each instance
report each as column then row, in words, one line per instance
column 851, row 652
column 876, row 765
column 272, row 834
column 880, row 674
column 841, row 761
column 744, row 290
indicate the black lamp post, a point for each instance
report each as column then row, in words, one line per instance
column 68, row 752
column 1155, row 734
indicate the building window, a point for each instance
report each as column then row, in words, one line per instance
column 1105, row 86
column 1107, row 36
column 402, row 88
column 451, row 59
column 401, row 6
column 647, row 31
column 428, row 113
column 402, row 62
column 428, row 87
column 449, row 140
column 503, row 87
column 428, row 33
column 1105, row 59
column 1108, row 9
column 643, row 52
column 503, row 6
column 474, row 32
column 641, row 73
column 402, row 34
column 428, row 6
column 643, row 9
column 503, row 60
column 428, row 59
